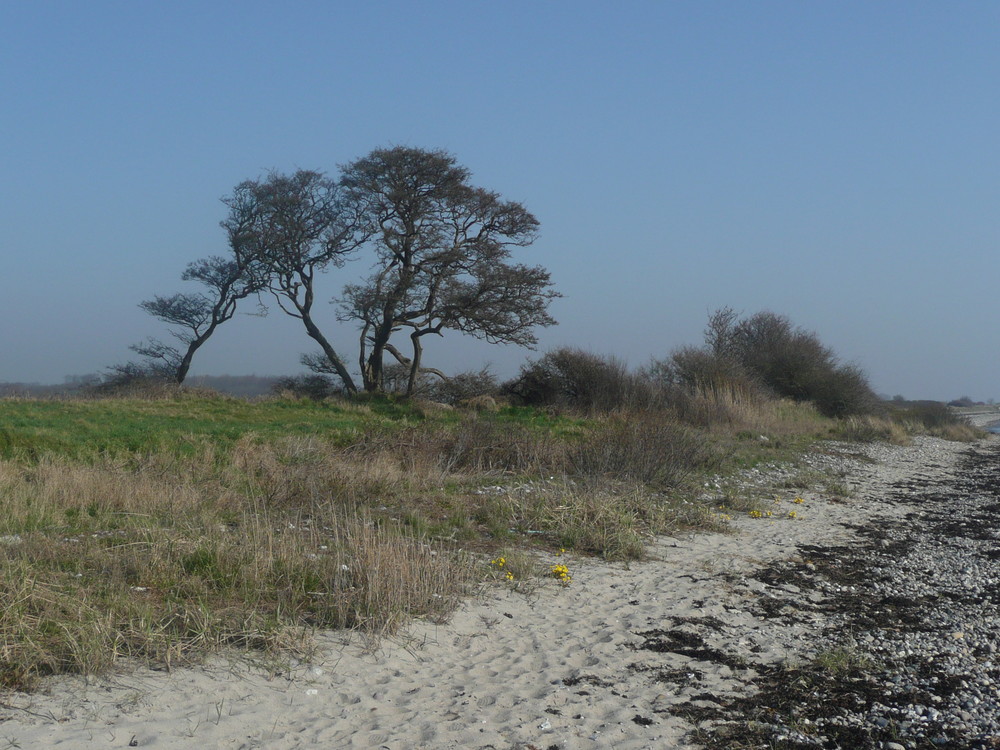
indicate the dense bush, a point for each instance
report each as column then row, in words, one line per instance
column 701, row 369
column 842, row 391
column 928, row 414
column 462, row 386
column 655, row 451
column 964, row 401
column 767, row 350
column 579, row 380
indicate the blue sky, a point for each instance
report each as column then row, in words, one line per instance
column 836, row 162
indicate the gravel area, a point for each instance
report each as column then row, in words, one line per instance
column 905, row 618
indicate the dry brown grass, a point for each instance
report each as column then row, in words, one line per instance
column 961, row 433
column 732, row 408
column 871, row 429
column 169, row 560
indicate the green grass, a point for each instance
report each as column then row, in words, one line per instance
column 183, row 425
column 82, row 428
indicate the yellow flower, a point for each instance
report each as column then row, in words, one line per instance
column 561, row 574
column 792, row 514
column 798, row 501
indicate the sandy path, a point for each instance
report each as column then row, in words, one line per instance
column 594, row 665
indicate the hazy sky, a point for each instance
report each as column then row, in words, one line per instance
column 836, row 162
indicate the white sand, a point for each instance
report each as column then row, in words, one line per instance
column 493, row 676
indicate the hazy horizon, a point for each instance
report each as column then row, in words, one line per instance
column 836, row 163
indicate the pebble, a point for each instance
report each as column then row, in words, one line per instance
column 934, row 609
column 924, row 605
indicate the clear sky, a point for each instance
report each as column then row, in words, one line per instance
column 836, row 162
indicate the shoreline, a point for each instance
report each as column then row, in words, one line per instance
column 625, row 657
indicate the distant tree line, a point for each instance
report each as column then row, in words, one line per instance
column 438, row 250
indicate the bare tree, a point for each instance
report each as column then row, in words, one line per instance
column 195, row 317
column 719, row 332
column 442, row 259
column 288, row 229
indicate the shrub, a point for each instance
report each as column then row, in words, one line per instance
column 929, row 414
column 842, row 391
column 934, row 418
column 314, row 386
column 656, row 452
column 462, row 387
column 579, row 380
column 790, row 361
column 702, row 370
column 702, row 387
column 132, row 379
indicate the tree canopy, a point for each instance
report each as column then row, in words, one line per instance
column 194, row 317
column 441, row 249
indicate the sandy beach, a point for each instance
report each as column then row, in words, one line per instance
column 617, row 659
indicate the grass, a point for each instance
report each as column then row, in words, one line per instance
column 163, row 529
column 841, row 660
column 83, row 428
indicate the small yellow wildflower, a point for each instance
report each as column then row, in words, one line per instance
column 509, row 576
column 798, row 501
column 792, row 514
column 756, row 514
column 499, row 562
column 561, row 574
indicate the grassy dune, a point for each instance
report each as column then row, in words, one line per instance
column 164, row 528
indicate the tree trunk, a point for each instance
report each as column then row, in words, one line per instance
column 418, row 350
column 185, row 365
column 195, row 345
column 380, row 340
column 374, row 376
column 316, row 335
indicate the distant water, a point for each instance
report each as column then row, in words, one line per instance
column 993, row 428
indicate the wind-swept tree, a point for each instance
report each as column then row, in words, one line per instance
column 442, row 252
column 195, row 317
column 288, row 229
